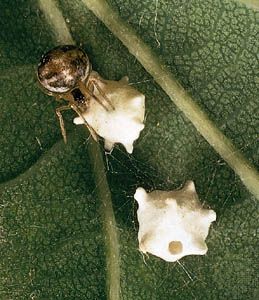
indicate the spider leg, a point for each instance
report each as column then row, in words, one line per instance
column 90, row 128
column 88, row 90
column 105, row 100
column 61, row 120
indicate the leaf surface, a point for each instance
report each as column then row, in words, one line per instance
column 51, row 224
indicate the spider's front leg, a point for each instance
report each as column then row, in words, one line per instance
column 105, row 101
column 89, row 90
column 61, row 120
column 90, row 128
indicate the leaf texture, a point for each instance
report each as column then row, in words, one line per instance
column 51, row 237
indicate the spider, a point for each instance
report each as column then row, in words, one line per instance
column 65, row 73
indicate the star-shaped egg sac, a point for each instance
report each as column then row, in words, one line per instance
column 124, row 123
column 172, row 224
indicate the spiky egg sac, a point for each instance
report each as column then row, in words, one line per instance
column 172, row 224
column 124, row 123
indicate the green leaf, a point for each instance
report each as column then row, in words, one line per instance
column 58, row 236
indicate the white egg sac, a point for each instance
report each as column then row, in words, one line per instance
column 124, row 123
column 172, row 224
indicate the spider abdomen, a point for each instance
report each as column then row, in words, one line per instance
column 62, row 68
